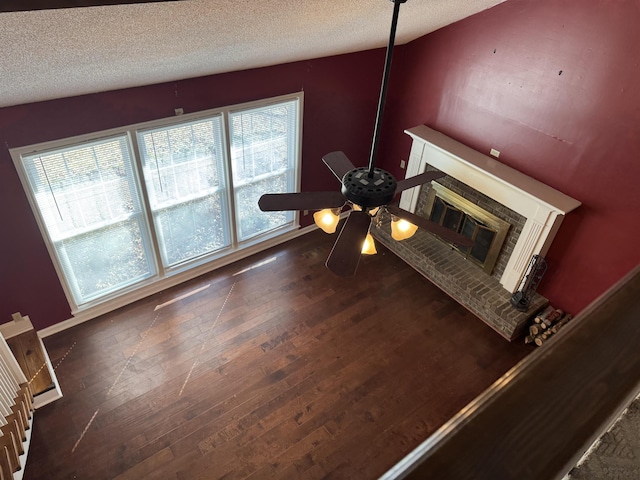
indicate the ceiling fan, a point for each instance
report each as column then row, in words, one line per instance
column 368, row 191
column 27, row 5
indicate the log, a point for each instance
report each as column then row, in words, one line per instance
column 544, row 314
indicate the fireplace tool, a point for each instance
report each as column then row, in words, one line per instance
column 535, row 271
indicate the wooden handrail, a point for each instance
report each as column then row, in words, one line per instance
column 539, row 418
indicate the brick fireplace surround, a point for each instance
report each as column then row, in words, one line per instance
column 534, row 210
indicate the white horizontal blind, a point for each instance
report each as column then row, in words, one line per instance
column 184, row 175
column 264, row 149
column 91, row 208
column 118, row 217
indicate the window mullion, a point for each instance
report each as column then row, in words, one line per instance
column 231, row 197
column 146, row 204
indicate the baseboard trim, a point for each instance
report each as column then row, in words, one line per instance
column 128, row 298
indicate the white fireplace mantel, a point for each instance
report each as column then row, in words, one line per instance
column 543, row 207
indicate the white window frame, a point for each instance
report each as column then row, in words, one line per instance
column 166, row 277
column 167, row 123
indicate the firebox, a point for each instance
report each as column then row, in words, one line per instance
column 457, row 213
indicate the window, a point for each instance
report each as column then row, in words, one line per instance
column 183, row 167
column 263, row 158
column 93, row 215
column 127, row 208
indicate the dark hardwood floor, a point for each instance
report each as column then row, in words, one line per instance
column 281, row 371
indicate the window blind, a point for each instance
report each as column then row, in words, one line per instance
column 184, row 175
column 263, row 152
column 92, row 213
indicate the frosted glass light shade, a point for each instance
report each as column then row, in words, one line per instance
column 369, row 247
column 401, row 229
column 327, row 220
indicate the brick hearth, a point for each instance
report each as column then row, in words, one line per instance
column 462, row 280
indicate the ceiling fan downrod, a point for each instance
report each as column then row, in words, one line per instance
column 383, row 88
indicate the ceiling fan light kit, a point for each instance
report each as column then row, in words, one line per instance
column 369, row 246
column 402, row 229
column 367, row 190
column 327, row 219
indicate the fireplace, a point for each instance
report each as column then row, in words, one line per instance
column 529, row 213
column 453, row 211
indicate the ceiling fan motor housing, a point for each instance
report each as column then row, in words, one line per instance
column 369, row 191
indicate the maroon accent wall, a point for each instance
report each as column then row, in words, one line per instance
column 553, row 85
column 339, row 112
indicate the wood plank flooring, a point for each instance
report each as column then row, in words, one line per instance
column 281, row 371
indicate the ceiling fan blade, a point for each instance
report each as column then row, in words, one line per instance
column 338, row 163
column 275, row 202
column 433, row 227
column 345, row 254
column 421, row 179
column 27, row 5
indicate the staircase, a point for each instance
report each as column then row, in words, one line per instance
column 16, row 414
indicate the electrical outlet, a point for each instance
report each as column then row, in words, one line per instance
column 403, row 164
column 306, row 212
column 179, row 111
column 495, row 152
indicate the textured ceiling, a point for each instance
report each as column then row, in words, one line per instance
column 50, row 54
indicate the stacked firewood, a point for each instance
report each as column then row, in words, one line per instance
column 545, row 324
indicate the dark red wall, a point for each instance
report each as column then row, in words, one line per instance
column 554, row 86
column 339, row 112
